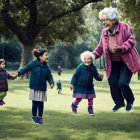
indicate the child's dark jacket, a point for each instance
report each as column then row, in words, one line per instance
column 39, row 75
column 4, row 76
column 83, row 79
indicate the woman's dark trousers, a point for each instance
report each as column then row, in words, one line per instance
column 119, row 83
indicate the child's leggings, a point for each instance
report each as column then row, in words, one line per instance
column 78, row 100
column 37, row 105
column 2, row 95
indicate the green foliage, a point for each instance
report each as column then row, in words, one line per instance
column 130, row 13
column 43, row 22
column 67, row 56
column 10, row 51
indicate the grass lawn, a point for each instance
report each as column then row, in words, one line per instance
column 60, row 123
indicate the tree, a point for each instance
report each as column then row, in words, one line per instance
column 130, row 13
column 36, row 22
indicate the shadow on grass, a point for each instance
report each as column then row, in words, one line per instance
column 16, row 124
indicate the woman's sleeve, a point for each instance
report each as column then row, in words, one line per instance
column 99, row 50
column 26, row 68
column 130, row 40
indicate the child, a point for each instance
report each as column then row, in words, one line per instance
column 4, row 75
column 59, row 87
column 40, row 73
column 59, row 70
column 82, row 82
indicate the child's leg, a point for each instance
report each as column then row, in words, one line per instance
column 40, row 112
column 58, row 91
column 90, row 107
column 75, row 104
column 40, row 108
column 90, row 102
column 77, row 101
column 34, row 108
column 2, row 95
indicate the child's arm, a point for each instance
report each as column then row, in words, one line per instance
column 50, row 78
column 25, row 69
column 9, row 76
column 71, row 87
column 98, row 76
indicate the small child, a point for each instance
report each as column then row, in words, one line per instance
column 4, row 75
column 82, row 82
column 59, row 87
column 59, row 70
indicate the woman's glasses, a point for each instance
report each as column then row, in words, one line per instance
column 104, row 20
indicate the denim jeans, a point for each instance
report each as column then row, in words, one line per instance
column 37, row 105
column 119, row 83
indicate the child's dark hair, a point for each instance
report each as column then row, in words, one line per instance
column 38, row 52
column 2, row 61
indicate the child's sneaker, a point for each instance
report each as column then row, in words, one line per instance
column 74, row 108
column 35, row 119
column 1, row 103
column 90, row 111
column 40, row 120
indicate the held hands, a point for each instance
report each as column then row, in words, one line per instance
column 15, row 76
column 116, row 49
column 71, row 87
column 101, row 76
column 51, row 86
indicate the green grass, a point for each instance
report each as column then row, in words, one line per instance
column 60, row 123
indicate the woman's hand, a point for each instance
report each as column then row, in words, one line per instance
column 71, row 87
column 51, row 86
column 116, row 49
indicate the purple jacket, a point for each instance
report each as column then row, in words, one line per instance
column 125, row 39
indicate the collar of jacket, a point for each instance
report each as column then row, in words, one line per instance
column 39, row 64
column 86, row 67
column 105, row 32
column 2, row 69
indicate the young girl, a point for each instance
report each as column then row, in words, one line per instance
column 40, row 73
column 82, row 82
column 4, row 75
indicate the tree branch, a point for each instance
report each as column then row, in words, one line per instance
column 75, row 8
column 9, row 22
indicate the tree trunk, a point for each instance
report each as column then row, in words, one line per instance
column 26, row 58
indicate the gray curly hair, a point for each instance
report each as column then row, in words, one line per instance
column 112, row 13
column 87, row 53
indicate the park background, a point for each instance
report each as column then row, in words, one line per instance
column 66, row 28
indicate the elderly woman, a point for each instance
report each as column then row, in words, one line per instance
column 121, row 58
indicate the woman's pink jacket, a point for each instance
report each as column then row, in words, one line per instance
column 124, row 38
